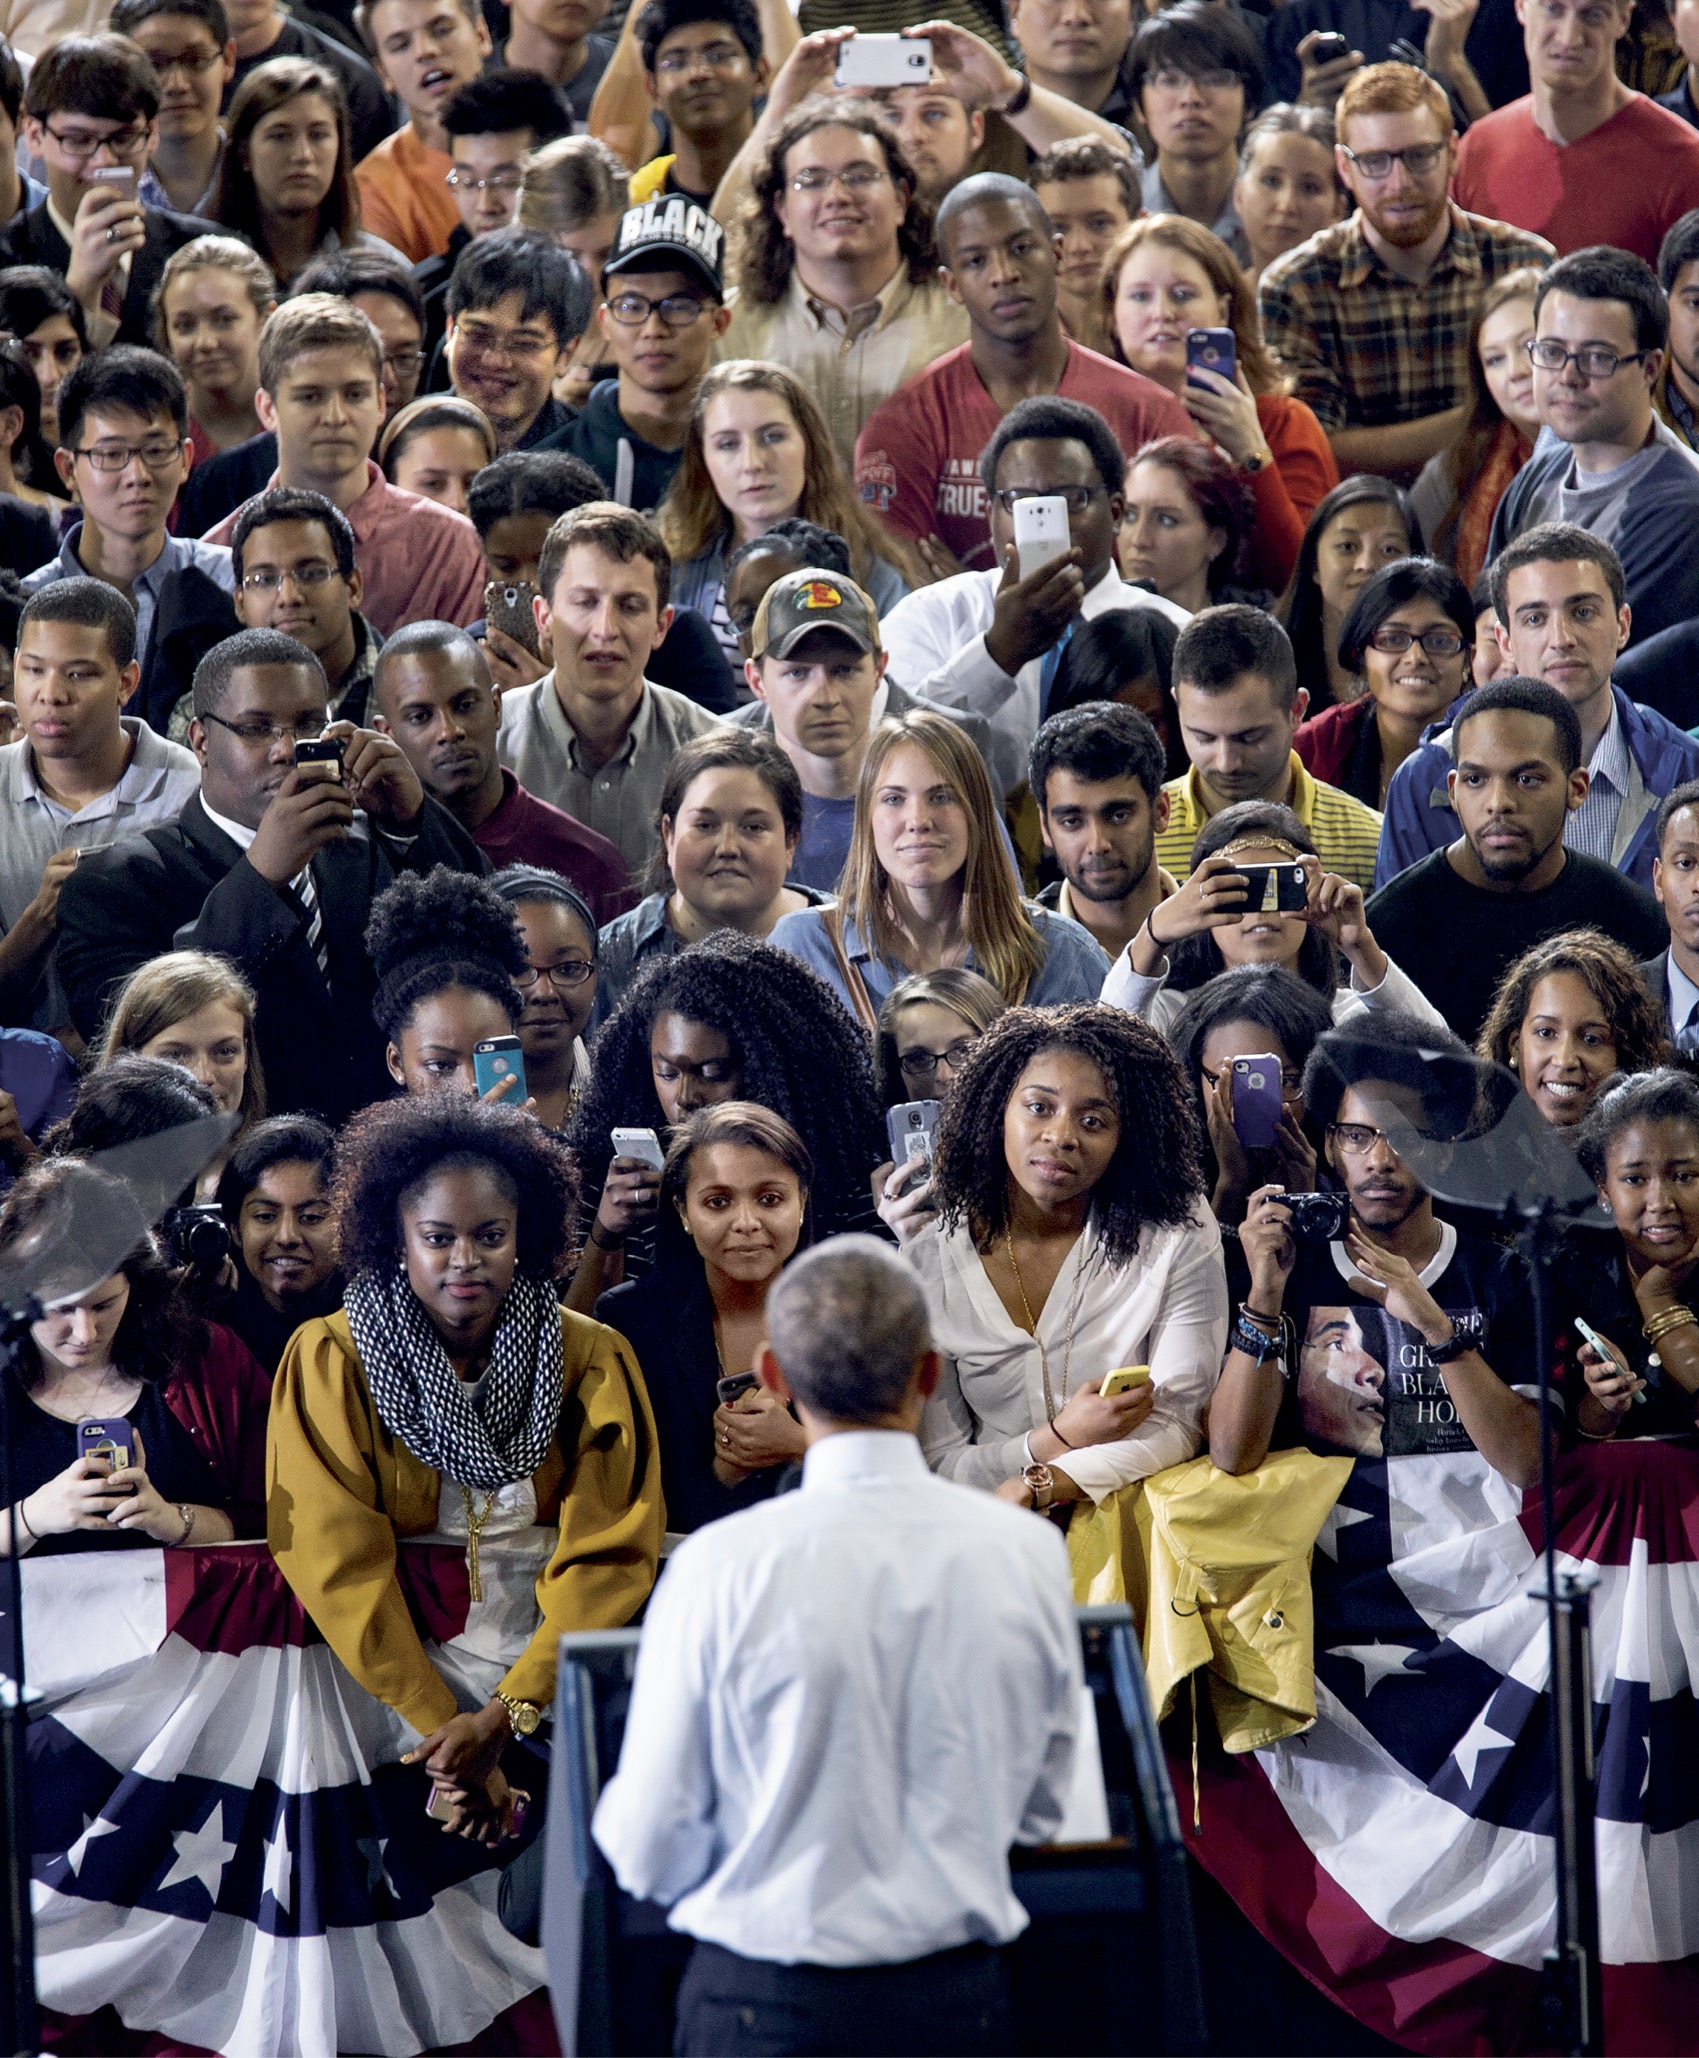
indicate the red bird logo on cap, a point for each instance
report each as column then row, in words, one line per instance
column 818, row 594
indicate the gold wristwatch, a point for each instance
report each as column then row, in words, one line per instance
column 524, row 1716
column 1041, row 1483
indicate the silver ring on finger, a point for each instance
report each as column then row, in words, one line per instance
column 112, row 233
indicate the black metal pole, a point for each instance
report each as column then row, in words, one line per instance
column 1574, row 1989
column 19, row 2025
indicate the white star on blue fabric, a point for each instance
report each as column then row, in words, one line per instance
column 1481, row 1736
column 1379, row 1661
column 278, row 1876
column 93, row 1826
column 202, row 1854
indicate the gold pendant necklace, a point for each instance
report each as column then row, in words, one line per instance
column 1050, row 1408
column 474, row 1535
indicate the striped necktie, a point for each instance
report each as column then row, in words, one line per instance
column 309, row 893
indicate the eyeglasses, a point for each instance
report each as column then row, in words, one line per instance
column 308, row 578
column 463, row 181
column 1078, row 498
column 116, row 457
column 79, row 145
column 857, row 178
column 1357, row 1139
column 562, row 977
column 921, row 1064
column 677, row 310
column 490, row 342
column 717, row 57
column 1437, row 642
column 1170, row 79
column 1418, row 160
column 259, row 731
column 190, row 62
column 1594, row 360
column 404, row 363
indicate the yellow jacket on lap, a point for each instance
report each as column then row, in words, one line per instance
column 1217, row 1569
column 341, row 1490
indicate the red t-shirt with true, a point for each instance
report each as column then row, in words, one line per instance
column 917, row 457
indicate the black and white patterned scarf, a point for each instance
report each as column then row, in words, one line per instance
column 490, row 1442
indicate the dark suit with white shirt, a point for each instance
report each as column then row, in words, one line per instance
column 32, row 239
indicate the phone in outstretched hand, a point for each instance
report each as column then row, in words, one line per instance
column 871, row 61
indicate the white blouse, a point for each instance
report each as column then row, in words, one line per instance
column 1147, row 995
column 1166, row 1309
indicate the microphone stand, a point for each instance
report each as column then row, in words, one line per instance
column 1572, row 1989
column 19, row 2024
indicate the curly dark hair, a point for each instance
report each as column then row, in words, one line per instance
column 1665, row 1095
column 389, row 1150
column 428, row 933
column 764, row 270
column 1609, row 974
column 159, row 1332
column 1156, row 1176
column 799, row 1052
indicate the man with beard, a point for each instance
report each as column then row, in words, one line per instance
column 1457, row 919
column 917, row 460
column 1372, row 317
column 1413, row 1338
column 1096, row 774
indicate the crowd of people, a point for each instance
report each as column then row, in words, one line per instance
column 634, row 661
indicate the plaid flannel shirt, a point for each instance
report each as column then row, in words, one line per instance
column 1369, row 349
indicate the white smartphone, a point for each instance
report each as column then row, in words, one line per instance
column 1041, row 532
column 868, row 61
column 642, row 1144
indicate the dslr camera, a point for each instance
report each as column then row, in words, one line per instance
column 195, row 1236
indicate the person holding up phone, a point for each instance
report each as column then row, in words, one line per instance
column 129, row 1358
column 927, row 1025
column 1212, row 925
column 739, row 1178
column 1073, row 1239
column 1166, row 280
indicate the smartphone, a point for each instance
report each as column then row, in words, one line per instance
column 109, row 1437
column 913, row 1130
column 734, row 1384
column 497, row 1058
column 1124, row 1379
column 507, row 607
column 120, row 178
column 642, row 1144
column 1041, row 532
column 440, row 1806
column 1329, row 47
column 870, row 61
column 1270, row 889
column 1212, row 350
column 1607, row 1351
column 319, row 750
column 1256, row 1100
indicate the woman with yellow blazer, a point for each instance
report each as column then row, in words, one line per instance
column 453, row 1395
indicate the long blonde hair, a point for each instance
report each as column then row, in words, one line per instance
column 1006, row 947
column 166, row 991
column 1217, row 263
column 692, row 519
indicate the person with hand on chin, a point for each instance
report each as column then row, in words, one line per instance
column 452, row 1393
column 260, row 867
column 1072, row 1239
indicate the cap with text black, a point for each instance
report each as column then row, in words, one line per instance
column 667, row 234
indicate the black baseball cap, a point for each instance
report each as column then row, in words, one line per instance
column 668, row 234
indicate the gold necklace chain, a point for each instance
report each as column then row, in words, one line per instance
column 1050, row 1408
column 474, row 1535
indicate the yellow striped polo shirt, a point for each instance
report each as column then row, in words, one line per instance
column 1344, row 832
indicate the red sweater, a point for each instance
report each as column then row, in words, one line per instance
column 1288, row 491
column 224, row 1403
column 1625, row 183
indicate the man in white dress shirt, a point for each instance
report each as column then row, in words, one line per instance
column 992, row 641
column 850, row 1701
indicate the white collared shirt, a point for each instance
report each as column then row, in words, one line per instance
column 936, row 641
column 850, row 1701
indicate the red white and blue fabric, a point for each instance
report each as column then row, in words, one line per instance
column 1401, row 1852
column 225, row 1847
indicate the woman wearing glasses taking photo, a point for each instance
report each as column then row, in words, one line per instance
column 1409, row 636
column 927, row 1026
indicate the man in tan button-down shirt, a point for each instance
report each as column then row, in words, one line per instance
column 837, row 275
